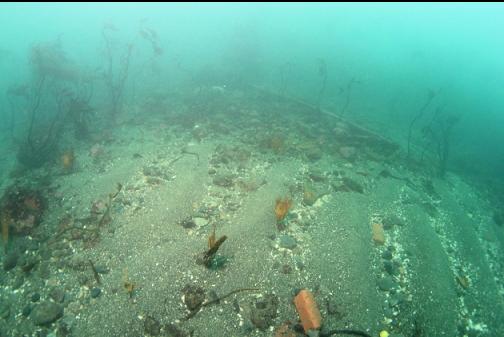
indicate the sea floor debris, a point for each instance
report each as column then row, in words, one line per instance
column 383, row 246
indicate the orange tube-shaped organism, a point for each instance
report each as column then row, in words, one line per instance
column 308, row 310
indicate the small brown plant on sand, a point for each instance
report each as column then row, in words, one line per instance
column 67, row 160
column 213, row 247
column 5, row 220
column 211, row 238
column 282, row 207
column 128, row 285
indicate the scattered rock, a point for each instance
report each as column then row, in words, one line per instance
column 313, row 153
column 174, row 331
column 155, row 172
column 498, row 218
column 391, row 220
column 200, row 222
column 27, row 264
column 378, row 234
column 193, row 296
column 317, row 177
column 152, row 326
column 250, row 185
column 428, row 187
column 348, row 152
column 57, row 295
column 199, row 132
column 101, row 269
column 264, row 311
column 430, row 209
column 396, row 299
column 95, row 292
column 4, row 309
column 223, row 180
column 35, row 297
column 10, row 261
column 333, row 308
column 286, row 269
column 391, row 268
column 187, row 223
column 463, row 281
column 27, row 309
column 387, row 255
column 18, row 282
column 287, row 242
column 348, row 185
column 46, row 313
column 386, row 283
column 310, row 196
column 284, row 331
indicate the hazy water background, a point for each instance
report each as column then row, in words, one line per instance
column 395, row 52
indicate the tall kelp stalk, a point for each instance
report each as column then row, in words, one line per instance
column 348, row 93
column 430, row 97
column 17, row 97
column 437, row 136
column 56, row 84
column 322, row 72
column 285, row 70
column 118, row 67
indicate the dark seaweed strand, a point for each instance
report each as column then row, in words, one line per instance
column 345, row 332
column 95, row 272
column 184, row 151
column 209, row 255
column 217, row 300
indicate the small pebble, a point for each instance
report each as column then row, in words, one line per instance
column 27, row 310
column 35, row 297
column 10, row 261
column 95, row 292
column 387, row 255
column 57, row 295
column 386, row 284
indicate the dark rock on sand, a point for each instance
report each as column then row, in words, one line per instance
column 287, row 241
column 35, row 297
column 391, row 268
column 10, row 261
column 223, row 180
column 264, row 311
column 386, row 283
column 95, row 292
column 46, row 313
column 152, row 326
column 4, row 309
column 174, row 331
column 26, row 310
column 193, row 296
column 57, row 295
column 392, row 220
column 387, row 255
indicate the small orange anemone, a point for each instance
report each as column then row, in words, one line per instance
column 282, row 208
column 67, row 160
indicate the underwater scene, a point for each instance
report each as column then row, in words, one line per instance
column 251, row 169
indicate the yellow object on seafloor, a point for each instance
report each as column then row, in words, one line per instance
column 384, row 333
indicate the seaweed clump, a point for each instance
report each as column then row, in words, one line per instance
column 21, row 210
column 210, row 259
column 282, row 207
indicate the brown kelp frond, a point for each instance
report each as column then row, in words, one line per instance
column 5, row 220
column 211, row 238
column 128, row 285
column 106, row 215
column 282, row 207
column 210, row 254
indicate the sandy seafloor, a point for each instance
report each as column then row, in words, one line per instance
column 439, row 272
